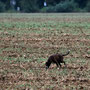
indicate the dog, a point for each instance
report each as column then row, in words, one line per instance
column 57, row 59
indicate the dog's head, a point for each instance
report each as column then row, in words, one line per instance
column 47, row 65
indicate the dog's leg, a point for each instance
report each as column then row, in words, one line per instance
column 59, row 65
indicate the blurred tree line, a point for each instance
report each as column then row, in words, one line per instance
column 50, row 5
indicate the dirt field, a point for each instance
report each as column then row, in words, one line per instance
column 26, row 42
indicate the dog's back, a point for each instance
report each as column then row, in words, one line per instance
column 55, row 57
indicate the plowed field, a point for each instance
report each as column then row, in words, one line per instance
column 26, row 42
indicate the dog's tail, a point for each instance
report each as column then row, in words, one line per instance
column 66, row 53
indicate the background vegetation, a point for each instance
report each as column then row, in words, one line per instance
column 52, row 6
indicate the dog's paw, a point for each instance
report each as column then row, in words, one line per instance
column 58, row 68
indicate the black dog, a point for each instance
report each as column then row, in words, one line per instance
column 57, row 59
